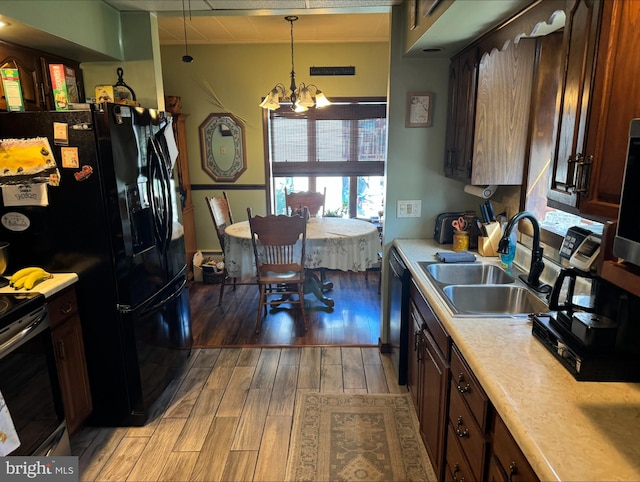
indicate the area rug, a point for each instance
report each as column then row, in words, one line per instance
column 356, row 437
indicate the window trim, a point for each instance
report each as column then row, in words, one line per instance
column 350, row 169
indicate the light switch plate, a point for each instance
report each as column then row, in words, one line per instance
column 409, row 209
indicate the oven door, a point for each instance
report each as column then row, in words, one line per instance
column 29, row 386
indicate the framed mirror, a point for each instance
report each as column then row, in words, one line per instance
column 222, row 147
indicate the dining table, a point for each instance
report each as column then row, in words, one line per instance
column 345, row 244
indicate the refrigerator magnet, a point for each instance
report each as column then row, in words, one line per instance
column 60, row 133
column 84, row 173
column 70, row 157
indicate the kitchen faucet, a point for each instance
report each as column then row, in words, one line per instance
column 537, row 265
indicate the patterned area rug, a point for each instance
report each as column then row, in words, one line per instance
column 356, row 437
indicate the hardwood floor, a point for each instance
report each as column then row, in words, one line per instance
column 229, row 417
column 354, row 320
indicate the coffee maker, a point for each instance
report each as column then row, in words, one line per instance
column 590, row 330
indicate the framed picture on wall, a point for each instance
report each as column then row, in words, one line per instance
column 419, row 109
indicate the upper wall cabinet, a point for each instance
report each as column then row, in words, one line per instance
column 33, row 67
column 463, row 81
column 490, row 89
column 503, row 105
column 595, row 106
column 489, row 107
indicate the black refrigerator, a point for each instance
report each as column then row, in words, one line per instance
column 114, row 219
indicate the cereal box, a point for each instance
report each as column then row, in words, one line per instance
column 63, row 83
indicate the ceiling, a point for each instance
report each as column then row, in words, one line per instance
column 262, row 21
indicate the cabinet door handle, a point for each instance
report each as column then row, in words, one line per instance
column 61, row 351
column 461, row 433
column 583, row 173
column 513, row 470
column 65, row 310
column 456, row 469
column 460, row 388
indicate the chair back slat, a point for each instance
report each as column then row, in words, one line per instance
column 313, row 201
column 278, row 242
column 220, row 211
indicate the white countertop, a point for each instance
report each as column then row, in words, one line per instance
column 568, row 430
column 47, row 287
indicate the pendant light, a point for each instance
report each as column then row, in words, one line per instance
column 186, row 57
column 301, row 96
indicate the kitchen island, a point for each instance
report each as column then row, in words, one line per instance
column 568, row 430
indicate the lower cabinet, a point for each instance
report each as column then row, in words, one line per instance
column 463, row 434
column 68, row 347
column 428, row 376
column 507, row 462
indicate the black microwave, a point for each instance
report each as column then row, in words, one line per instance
column 626, row 244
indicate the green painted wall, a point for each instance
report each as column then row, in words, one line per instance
column 240, row 75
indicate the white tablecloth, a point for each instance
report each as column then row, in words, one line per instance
column 333, row 243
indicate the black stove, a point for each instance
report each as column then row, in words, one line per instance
column 14, row 306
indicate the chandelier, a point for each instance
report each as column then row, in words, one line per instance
column 301, row 96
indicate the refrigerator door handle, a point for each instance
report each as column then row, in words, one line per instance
column 169, row 298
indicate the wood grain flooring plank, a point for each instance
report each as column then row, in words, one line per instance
column 156, row 451
column 371, row 355
column 353, row 368
column 228, row 357
column 206, row 357
column 252, row 419
column 93, row 458
column 284, row 391
column 213, row 457
column 123, row 459
column 187, row 394
column 249, row 357
column 391, row 376
column 331, row 378
column 309, row 375
column 236, row 392
column 195, row 430
column 290, row 356
column 331, row 355
column 178, row 467
column 240, row 465
column 266, row 369
column 376, row 381
column 274, row 449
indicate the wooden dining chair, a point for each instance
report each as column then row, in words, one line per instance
column 278, row 247
column 221, row 214
column 313, row 201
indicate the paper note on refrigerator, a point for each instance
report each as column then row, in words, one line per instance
column 25, row 195
column 9, row 440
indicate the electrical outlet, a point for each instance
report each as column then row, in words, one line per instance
column 409, row 209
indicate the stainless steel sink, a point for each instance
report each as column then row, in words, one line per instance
column 492, row 300
column 467, row 273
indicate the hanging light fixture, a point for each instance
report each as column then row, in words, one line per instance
column 186, row 57
column 301, row 96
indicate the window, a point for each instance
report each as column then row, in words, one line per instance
column 341, row 147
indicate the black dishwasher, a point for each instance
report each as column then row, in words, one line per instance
column 399, row 281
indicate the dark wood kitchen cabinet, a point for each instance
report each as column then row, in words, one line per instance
column 429, row 375
column 35, row 81
column 463, row 81
column 507, row 463
column 594, row 106
column 468, row 431
column 488, row 114
column 68, row 346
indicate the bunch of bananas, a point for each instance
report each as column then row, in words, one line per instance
column 27, row 278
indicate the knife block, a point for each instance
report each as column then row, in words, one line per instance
column 488, row 245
